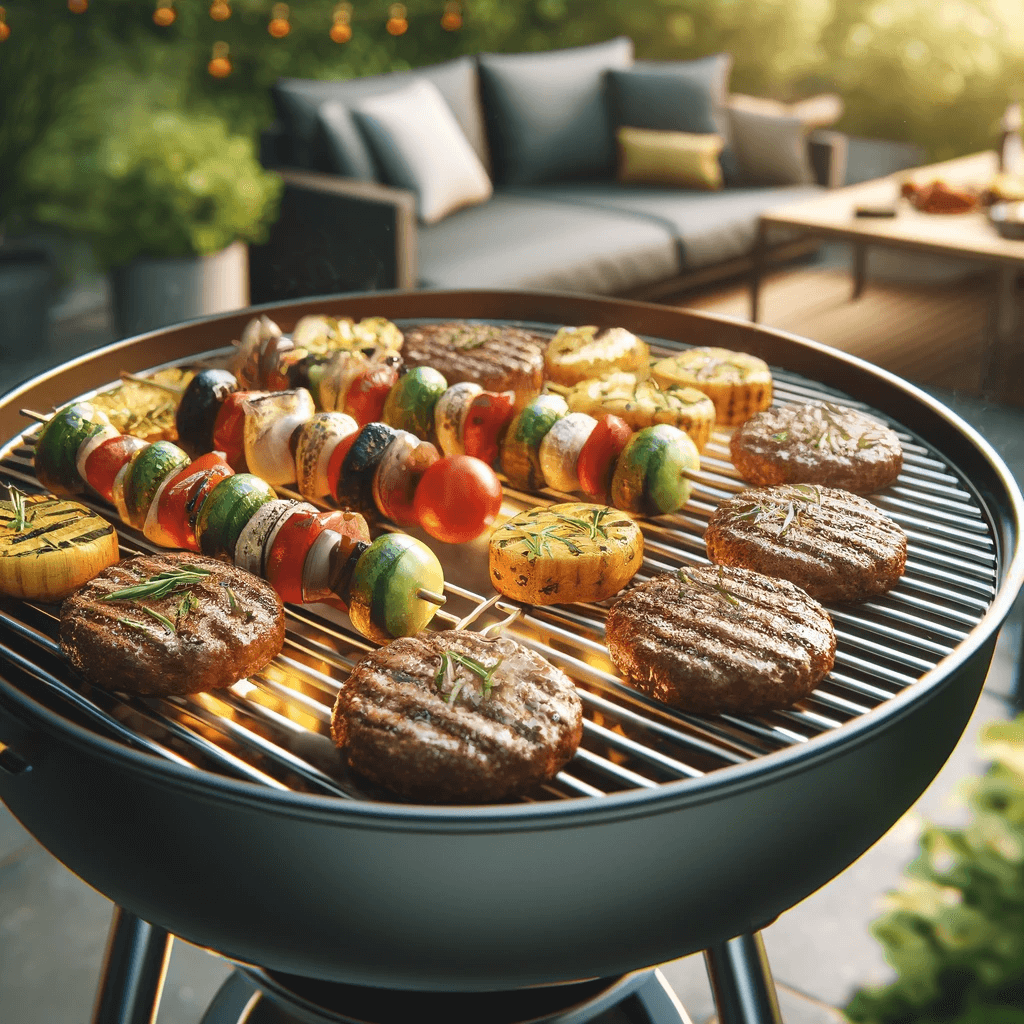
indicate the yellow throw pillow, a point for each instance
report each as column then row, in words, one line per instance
column 651, row 157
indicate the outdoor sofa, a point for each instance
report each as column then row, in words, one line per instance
column 509, row 171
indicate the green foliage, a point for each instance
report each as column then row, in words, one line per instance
column 955, row 932
column 935, row 72
column 127, row 169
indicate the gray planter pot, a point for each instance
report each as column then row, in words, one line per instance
column 152, row 293
column 26, row 289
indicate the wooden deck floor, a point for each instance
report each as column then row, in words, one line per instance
column 930, row 333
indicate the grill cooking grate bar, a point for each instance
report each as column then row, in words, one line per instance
column 274, row 729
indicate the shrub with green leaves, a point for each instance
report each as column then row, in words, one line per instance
column 955, row 931
column 135, row 174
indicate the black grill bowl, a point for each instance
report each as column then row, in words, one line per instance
column 491, row 898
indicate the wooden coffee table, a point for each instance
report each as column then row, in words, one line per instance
column 963, row 236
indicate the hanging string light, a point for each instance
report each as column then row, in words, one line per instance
column 279, row 26
column 220, row 66
column 220, row 10
column 341, row 29
column 165, row 13
column 451, row 20
column 5, row 29
column 78, row 6
column 397, row 23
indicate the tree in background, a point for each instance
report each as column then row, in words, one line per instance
column 935, row 72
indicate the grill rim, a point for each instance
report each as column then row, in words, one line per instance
column 996, row 491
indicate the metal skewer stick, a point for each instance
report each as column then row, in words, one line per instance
column 429, row 595
column 37, row 416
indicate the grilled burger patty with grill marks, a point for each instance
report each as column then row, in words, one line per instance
column 836, row 545
column 715, row 639
column 496, row 358
column 817, row 443
column 210, row 629
column 456, row 717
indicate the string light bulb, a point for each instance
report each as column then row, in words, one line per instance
column 279, row 26
column 5, row 29
column 397, row 23
column 451, row 20
column 220, row 66
column 78, row 6
column 220, row 10
column 165, row 13
column 341, row 29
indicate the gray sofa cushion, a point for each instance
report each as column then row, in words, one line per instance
column 547, row 114
column 680, row 96
column 709, row 227
column 521, row 242
column 334, row 143
column 421, row 147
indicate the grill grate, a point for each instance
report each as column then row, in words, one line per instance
column 273, row 729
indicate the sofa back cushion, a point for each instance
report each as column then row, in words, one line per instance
column 547, row 113
column 334, row 144
column 771, row 149
column 681, row 96
column 421, row 147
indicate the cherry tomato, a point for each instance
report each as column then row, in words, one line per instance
column 229, row 429
column 106, row 461
column 596, row 461
column 182, row 498
column 458, row 498
column 287, row 555
column 488, row 415
column 364, row 400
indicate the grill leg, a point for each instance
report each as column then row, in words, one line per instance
column 133, row 971
column 742, row 981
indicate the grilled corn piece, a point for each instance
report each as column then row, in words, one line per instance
column 565, row 553
column 739, row 384
column 50, row 547
column 575, row 354
column 642, row 403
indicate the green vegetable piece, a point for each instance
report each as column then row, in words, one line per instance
column 388, row 577
column 410, row 403
column 57, row 448
column 226, row 510
column 520, row 454
column 145, row 473
column 650, row 476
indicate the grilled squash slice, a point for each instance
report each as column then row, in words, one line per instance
column 579, row 353
column 49, row 547
column 565, row 553
column 739, row 384
column 642, row 403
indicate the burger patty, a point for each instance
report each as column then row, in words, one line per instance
column 496, row 358
column 836, row 545
column 456, row 717
column 714, row 639
column 208, row 631
column 817, row 443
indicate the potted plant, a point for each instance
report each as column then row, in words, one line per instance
column 167, row 198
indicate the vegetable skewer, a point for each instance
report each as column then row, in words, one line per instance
column 390, row 587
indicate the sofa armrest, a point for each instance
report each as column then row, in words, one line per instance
column 827, row 151
column 273, row 146
column 335, row 235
